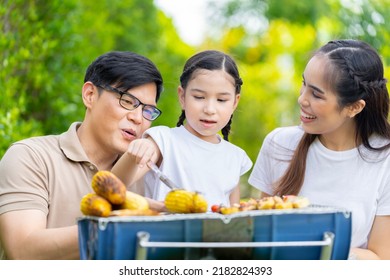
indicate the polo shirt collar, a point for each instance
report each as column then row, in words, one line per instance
column 71, row 146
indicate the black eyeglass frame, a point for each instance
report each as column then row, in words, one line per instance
column 137, row 102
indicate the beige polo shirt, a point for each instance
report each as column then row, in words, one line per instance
column 48, row 173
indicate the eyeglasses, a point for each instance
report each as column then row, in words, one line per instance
column 130, row 102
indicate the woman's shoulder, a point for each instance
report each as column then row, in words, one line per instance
column 380, row 151
column 285, row 134
column 377, row 141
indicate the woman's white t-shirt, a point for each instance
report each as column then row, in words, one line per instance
column 341, row 179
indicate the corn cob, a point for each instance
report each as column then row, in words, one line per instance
column 134, row 201
column 107, row 185
column 134, row 212
column 180, row 201
column 200, row 203
column 94, row 205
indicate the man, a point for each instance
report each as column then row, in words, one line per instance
column 43, row 179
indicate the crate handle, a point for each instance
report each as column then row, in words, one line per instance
column 143, row 243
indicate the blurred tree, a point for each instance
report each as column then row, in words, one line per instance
column 272, row 41
column 170, row 62
column 46, row 46
column 34, row 57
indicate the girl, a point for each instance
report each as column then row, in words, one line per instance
column 339, row 155
column 193, row 154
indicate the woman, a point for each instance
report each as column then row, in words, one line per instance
column 339, row 155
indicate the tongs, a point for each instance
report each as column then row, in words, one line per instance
column 163, row 178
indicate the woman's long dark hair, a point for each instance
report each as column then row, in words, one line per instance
column 355, row 71
column 210, row 60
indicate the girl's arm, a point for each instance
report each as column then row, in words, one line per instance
column 156, row 205
column 378, row 242
column 132, row 166
column 235, row 195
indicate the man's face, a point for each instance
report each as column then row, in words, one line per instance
column 113, row 126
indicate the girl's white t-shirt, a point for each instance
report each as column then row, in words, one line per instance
column 196, row 165
column 342, row 179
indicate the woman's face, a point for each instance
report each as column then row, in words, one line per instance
column 320, row 111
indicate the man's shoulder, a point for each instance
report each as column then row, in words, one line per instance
column 46, row 142
column 46, row 146
column 27, row 154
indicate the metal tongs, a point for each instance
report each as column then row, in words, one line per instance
column 163, row 178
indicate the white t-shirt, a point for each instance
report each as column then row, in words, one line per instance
column 196, row 165
column 341, row 179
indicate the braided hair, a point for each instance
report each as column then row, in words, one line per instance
column 354, row 72
column 210, row 60
column 357, row 73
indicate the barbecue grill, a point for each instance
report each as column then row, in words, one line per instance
column 315, row 232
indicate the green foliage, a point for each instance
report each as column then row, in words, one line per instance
column 170, row 62
column 46, row 47
column 31, row 60
column 272, row 41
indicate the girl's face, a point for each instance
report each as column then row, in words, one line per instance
column 209, row 100
column 320, row 111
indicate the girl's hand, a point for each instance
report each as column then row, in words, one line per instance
column 156, row 205
column 131, row 166
column 143, row 150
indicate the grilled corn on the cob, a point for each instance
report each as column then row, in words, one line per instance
column 182, row 201
column 109, row 186
column 134, row 201
column 179, row 201
column 94, row 205
column 200, row 203
column 134, row 212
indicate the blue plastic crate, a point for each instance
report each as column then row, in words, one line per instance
column 315, row 232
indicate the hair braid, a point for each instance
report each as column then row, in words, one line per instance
column 226, row 129
column 181, row 118
column 373, row 85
